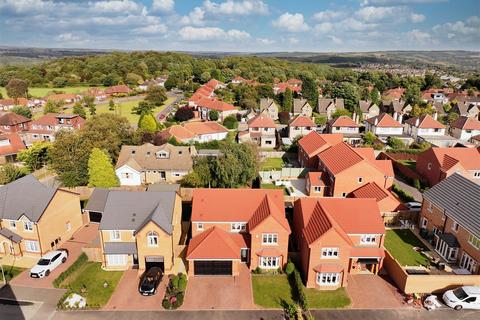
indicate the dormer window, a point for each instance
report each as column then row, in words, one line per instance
column 133, row 151
column 162, row 154
column 148, row 153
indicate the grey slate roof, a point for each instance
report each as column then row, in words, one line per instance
column 266, row 103
column 25, row 196
column 450, row 239
column 120, row 247
column 459, row 197
column 298, row 104
column 131, row 210
column 324, row 103
column 161, row 187
column 10, row 235
column 97, row 200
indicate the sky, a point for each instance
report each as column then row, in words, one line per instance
column 242, row 25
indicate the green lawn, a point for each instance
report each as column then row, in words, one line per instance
column 272, row 186
column 270, row 290
column 272, row 164
column 42, row 92
column 400, row 243
column 91, row 276
column 10, row 272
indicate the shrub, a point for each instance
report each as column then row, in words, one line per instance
column 284, row 117
column 174, row 281
column 213, row 115
column 74, row 267
column 184, row 114
column 300, row 296
column 174, row 295
column 230, row 122
column 290, row 267
column 404, row 196
column 182, row 282
column 416, row 184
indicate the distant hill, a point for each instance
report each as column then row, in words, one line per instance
column 14, row 55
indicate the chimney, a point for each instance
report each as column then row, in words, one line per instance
column 395, row 115
column 376, row 121
column 435, row 116
column 417, row 122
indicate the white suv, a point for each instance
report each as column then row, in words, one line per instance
column 48, row 263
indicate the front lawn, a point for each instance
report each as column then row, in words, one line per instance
column 270, row 290
column 42, row 92
column 272, row 164
column 272, row 186
column 400, row 243
column 88, row 281
column 10, row 272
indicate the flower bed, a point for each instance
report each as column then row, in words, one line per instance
column 175, row 292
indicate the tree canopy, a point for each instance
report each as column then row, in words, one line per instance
column 100, row 170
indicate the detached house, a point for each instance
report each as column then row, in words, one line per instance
column 10, row 145
column 8, row 104
column 271, row 107
column 119, row 90
column 205, row 105
column 261, row 131
column 45, row 127
column 231, row 227
column 302, row 107
column 138, row 229
column 347, row 169
column 11, row 122
column 465, row 128
column 386, row 201
column 146, row 164
column 327, row 107
column 196, row 132
column 300, row 126
column 64, row 97
column 436, row 164
column 35, row 219
column 369, row 109
column 384, row 126
column 312, row 144
column 337, row 237
column 466, row 109
column 450, row 214
column 424, row 125
column 398, row 108
column 347, row 127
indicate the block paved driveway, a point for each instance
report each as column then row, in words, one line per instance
column 126, row 296
column 220, row 292
column 369, row 291
column 74, row 246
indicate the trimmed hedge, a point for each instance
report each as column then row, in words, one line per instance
column 297, row 285
column 404, row 196
column 74, row 267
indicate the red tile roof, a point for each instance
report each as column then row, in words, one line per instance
column 51, row 119
column 314, row 141
column 15, row 144
column 466, row 123
column 269, row 252
column 316, row 178
column 227, row 245
column 268, row 208
column 425, row 122
column 62, row 97
column 328, row 267
column 207, row 127
column 343, row 121
column 384, row 121
column 11, row 119
column 385, row 200
column 394, row 93
column 118, row 89
column 214, row 104
column 339, row 157
column 367, row 252
column 178, row 132
column 261, row 121
column 11, row 102
column 469, row 158
column 302, row 121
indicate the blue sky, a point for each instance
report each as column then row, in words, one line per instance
column 242, row 25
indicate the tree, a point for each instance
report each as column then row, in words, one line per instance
column 230, row 122
column 147, row 123
column 287, row 101
column 23, row 111
column 452, row 116
column 69, row 158
column 348, row 92
column 156, row 95
column 341, row 112
column 89, row 103
column 213, row 115
column 17, row 88
column 79, row 109
column 309, row 90
column 248, row 104
column 100, row 170
column 320, row 120
column 395, row 143
column 111, row 105
column 53, row 107
column 133, row 78
column 184, row 114
column 10, row 173
column 412, row 94
column 369, row 138
column 432, row 81
column 143, row 107
column 36, row 156
column 170, row 83
column 284, row 117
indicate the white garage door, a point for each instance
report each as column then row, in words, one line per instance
column 116, row 259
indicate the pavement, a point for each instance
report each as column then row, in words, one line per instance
column 168, row 108
column 370, row 291
column 417, row 195
column 74, row 246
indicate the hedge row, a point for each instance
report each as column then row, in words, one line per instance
column 74, row 267
column 404, row 196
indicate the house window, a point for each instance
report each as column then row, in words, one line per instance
column 368, row 239
column 68, row 226
column 269, row 238
column 268, row 142
column 344, row 194
column 32, row 246
column 454, row 226
column 114, row 235
column 360, row 179
column 238, row 227
column 162, row 154
column 476, row 174
column 269, row 262
column 317, row 189
column 152, row 239
column 126, row 175
column 474, row 241
column 424, row 223
column 429, row 166
column 12, row 224
column 28, row 226
column 328, row 279
column 329, row 253
column 200, row 226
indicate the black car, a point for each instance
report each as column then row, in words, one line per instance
column 150, row 281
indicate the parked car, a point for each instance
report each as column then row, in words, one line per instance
column 150, row 281
column 48, row 263
column 414, row 206
column 467, row 297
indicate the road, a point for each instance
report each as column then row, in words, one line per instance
column 168, row 108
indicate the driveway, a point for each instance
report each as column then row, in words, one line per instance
column 126, row 296
column 220, row 292
column 74, row 246
column 369, row 291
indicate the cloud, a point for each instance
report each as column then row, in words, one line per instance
column 211, row 33
column 265, row 41
column 25, row 6
column 328, row 15
column 163, row 5
column 157, row 28
column 293, row 40
column 324, row 27
column 195, row 17
column 371, row 14
column 231, row 7
column 420, row 36
column 335, row 39
column 69, row 37
column 116, row 6
column 461, row 33
column 291, row 22
column 415, row 17
column 396, row 2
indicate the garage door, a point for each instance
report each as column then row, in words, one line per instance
column 154, row 261
column 116, row 259
column 212, row 268
column 95, row 216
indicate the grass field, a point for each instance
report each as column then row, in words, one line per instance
column 42, row 92
column 272, row 186
column 400, row 243
column 10, row 272
column 270, row 290
column 272, row 164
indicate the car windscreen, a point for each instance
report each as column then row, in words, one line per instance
column 43, row 262
column 460, row 294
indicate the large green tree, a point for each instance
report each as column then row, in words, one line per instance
column 143, row 107
column 10, row 172
column 309, row 90
column 147, row 123
column 156, row 95
column 36, row 156
column 23, row 111
column 17, row 88
column 53, row 106
column 100, row 170
column 287, row 102
column 79, row 109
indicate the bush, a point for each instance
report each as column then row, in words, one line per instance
column 230, row 122
column 404, row 196
column 213, row 115
column 74, row 267
column 301, row 298
column 182, row 282
column 175, row 293
column 184, row 114
column 417, row 184
column 284, row 117
column 289, row 268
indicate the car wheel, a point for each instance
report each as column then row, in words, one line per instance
column 47, row 273
column 64, row 259
column 458, row 307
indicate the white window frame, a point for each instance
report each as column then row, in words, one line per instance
column 317, row 189
column 330, row 253
column 455, row 226
column 152, row 239
column 115, row 235
column 68, row 226
column 269, row 262
column 368, row 239
column 474, row 241
column 269, row 239
column 200, row 226
column 328, row 278
column 12, row 224
column 32, row 246
column 360, row 179
column 344, row 194
column 424, row 222
column 476, row 174
column 28, row 226
column 114, row 259
column 238, row 227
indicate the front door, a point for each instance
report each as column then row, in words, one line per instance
column 163, row 176
column 135, row 259
column 468, row 263
column 244, row 255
